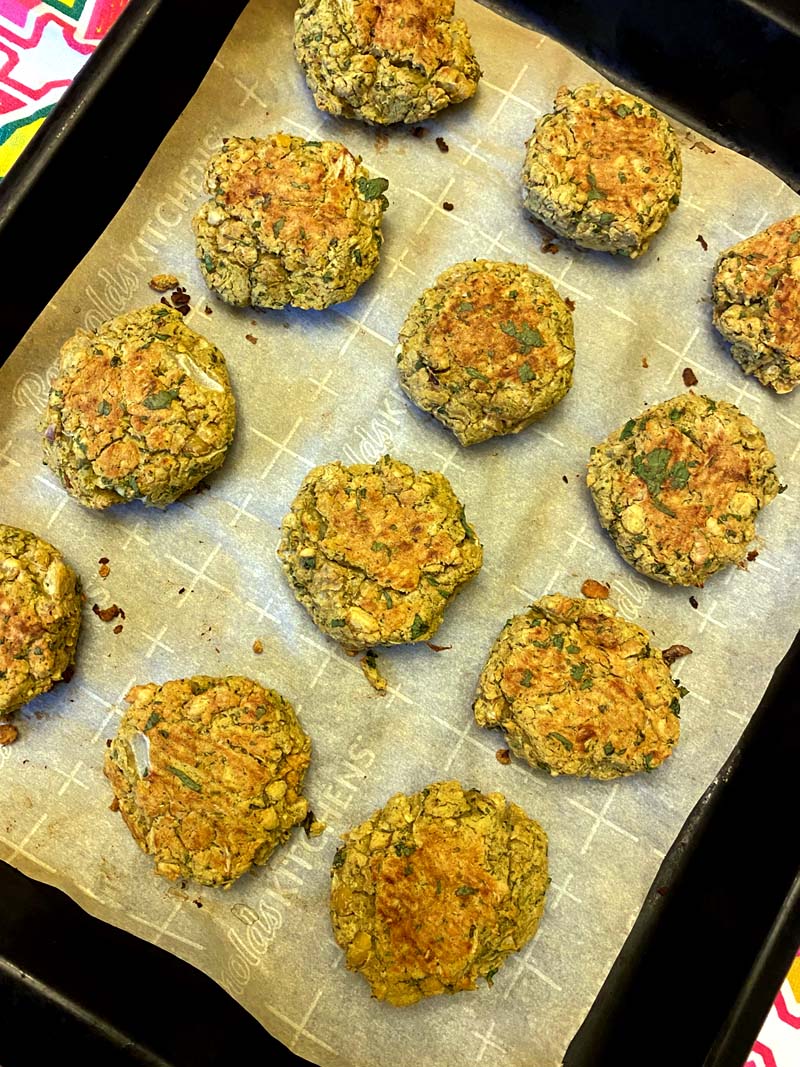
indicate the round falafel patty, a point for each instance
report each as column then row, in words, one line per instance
column 140, row 410
column 756, row 291
column 40, row 616
column 488, row 349
column 579, row 690
column 290, row 222
column 436, row 890
column 604, row 169
column 397, row 61
column 208, row 774
column 376, row 552
column 679, row 487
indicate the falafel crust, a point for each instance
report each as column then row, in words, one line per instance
column 435, row 890
column 208, row 774
column 487, row 349
column 756, row 292
column 397, row 61
column 604, row 169
column 579, row 690
column 40, row 617
column 376, row 552
column 679, row 487
column 290, row 222
column 140, row 410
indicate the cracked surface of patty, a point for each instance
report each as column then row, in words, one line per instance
column 393, row 61
column 376, row 552
column 756, row 291
column 680, row 486
column 487, row 349
column 208, row 774
column 579, row 691
column 40, row 616
column 140, row 410
column 289, row 222
column 604, row 169
column 435, row 890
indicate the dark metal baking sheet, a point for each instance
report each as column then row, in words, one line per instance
column 722, row 919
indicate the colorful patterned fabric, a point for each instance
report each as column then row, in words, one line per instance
column 43, row 44
column 778, row 1043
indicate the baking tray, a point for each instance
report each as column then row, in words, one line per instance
column 722, row 920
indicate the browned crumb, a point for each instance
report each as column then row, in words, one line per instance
column 312, row 826
column 707, row 149
column 369, row 665
column 180, row 299
column 162, row 282
column 752, row 554
column 258, row 647
column 447, row 206
column 570, row 303
column 549, row 245
column 595, row 590
column 8, row 733
column 442, row 145
column 104, row 570
column 669, row 655
column 565, row 479
column 118, row 628
column 503, row 755
column 438, row 648
column 645, row 364
column 109, row 613
column 208, row 310
column 103, row 559
column 114, row 805
column 693, row 602
column 249, row 337
column 689, row 377
column 702, row 242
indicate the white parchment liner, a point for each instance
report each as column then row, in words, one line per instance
column 200, row 581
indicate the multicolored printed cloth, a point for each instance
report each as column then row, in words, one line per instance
column 778, row 1043
column 43, row 44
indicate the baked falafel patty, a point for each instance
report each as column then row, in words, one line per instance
column 487, row 349
column 604, row 169
column 679, row 487
column 376, row 552
column 435, row 890
column 397, row 61
column 40, row 616
column 208, row 774
column 140, row 410
column 290, row 222
column 756, row 292
column 579, row 690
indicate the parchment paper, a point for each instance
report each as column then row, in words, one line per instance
column 200, row 582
